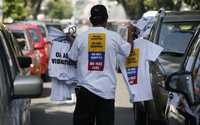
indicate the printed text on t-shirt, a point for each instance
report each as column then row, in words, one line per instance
column 96, row 51
column 132, row 63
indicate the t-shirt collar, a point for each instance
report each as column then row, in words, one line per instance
column 96, row 28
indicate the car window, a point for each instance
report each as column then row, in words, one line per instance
column 175, row 37
column 34, row 35
column 15, row 45
column 21, row 37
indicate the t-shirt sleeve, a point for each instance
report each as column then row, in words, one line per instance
column 123, row 46
column 73, row 53
column 152, row 50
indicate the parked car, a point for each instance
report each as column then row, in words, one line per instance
column 32, row 44
column 40, row 24
column 15, row 87
column 183, row 107
column 173, row 31
column 43, row 30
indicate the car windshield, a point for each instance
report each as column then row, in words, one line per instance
column 34, row 35
column 175, row 37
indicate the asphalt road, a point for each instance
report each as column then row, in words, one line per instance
column 44, row 112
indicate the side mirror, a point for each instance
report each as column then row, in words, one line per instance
column 24, row 61
column 181, row 82
column 27, row 87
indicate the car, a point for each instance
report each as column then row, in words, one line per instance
column 40, row 24
column 173, row 31
column 16, row 88
column 43, row 30
column 32, row 44
column 184, row 86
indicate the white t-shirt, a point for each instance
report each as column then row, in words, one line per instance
column 96, row 51
column 135, row 69
column 58, row 63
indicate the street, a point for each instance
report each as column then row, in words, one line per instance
column 43, row 111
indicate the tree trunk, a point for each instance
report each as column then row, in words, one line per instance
column 37, row 8
column 140, row 8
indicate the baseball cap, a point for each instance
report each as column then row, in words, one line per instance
column 99, row 12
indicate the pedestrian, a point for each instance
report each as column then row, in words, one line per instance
column 95, row 52
column 61, row 70
column 135, row 71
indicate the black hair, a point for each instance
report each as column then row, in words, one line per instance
column 99, row 15
column 99, row 21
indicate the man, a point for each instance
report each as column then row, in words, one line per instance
column 135, row 70
column 95, row 52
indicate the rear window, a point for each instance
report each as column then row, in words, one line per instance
column 175, row 37
column 19, row 35
column 34, row 35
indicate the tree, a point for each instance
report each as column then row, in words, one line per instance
column 195, row 4
column 21, row 9
column 135, row 8
column 35, row 6
column 60, row 9
column 15, row 9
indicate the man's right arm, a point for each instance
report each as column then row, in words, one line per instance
column 73, row 53
column 125, row 47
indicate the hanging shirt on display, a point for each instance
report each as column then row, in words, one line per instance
column 59, row 62
column 135, row 69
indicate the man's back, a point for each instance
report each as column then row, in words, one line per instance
column 96, row 54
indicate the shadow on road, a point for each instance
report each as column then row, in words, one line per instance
column 123, row 116
column 40, row 116
column 46, row 92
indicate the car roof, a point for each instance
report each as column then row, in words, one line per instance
column 21, row 26
column 182, row 16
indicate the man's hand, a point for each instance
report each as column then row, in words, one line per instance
column 70, row 38
column 131, row 31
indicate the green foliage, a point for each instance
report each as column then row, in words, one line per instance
column 135, row 8
column 60, row 9
column 195, row 4
column 15, row 9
